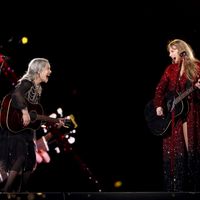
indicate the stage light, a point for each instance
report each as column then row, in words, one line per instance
column 117, row 184
column 73, row 131
column 71, row 140
column 57, row 149
column 53, row 115
column 60, row 112
column 24, row 40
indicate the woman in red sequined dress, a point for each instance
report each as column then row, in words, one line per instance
column 181, row 144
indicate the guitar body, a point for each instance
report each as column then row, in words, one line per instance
column 160, row 125
column 11, row 118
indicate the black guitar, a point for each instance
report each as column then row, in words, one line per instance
column 11, row 118
column 159, row 125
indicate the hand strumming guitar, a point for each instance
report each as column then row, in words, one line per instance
column 25, row 117
column 60, row 123
column 159, row 110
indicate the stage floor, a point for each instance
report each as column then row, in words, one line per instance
column 101, row 196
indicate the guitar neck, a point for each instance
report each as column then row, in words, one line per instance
column 183, row 95
column 47, row 119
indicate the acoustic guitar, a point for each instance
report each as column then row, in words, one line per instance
column 159, row 125
column 11, row 118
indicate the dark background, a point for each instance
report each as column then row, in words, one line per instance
column 106, row 60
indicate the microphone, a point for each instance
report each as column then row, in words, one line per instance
column 183, row 54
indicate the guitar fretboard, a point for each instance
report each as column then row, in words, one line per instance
column 183, row 95
column 47, row 119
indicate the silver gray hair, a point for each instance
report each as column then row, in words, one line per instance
column 35, row 66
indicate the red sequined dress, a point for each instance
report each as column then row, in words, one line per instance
column 181, row 167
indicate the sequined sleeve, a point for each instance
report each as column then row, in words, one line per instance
column 161, row 88
column 18, row 95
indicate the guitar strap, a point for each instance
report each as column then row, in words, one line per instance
column 188, row 84
column 178, row 77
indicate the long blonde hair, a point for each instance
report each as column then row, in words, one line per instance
column 190, row 61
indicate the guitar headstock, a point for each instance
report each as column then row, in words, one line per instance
column 69, row 122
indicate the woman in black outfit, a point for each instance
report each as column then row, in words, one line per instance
column 17, row 149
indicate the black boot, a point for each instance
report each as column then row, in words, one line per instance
column 9, row 182
column 25, row 179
